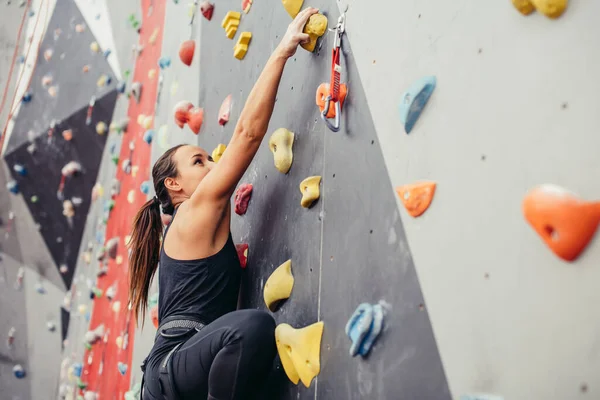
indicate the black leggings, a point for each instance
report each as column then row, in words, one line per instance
column 228, row 359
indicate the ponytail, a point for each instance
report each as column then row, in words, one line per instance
column 143, row 261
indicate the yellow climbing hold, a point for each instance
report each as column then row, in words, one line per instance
column 315, row 28
column 101, row 128
column 240, row 49
column 525, row 7
column 231, row 22
column 218, row 152
column 95, row 47
column 292, row 6
column 550, row 8
column 280, row 143
column 300, row 350
column 310, row 190
column 279, row 285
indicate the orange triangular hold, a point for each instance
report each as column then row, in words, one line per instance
column 186, row 52
column 416, row 196
column 564, row 221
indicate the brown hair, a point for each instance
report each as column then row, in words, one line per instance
column 147, row 234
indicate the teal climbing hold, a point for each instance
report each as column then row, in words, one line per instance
column 164, row 62
column 13, row 187
column 481, row 397
column 414, row 100
column 145, row 187
column 149, row 135
column 19, row 169
column 363, row 328
column 122, row 367
column 27, row 97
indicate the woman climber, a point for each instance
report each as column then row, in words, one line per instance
column 204, row 348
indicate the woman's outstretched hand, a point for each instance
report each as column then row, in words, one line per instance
column 294, row 36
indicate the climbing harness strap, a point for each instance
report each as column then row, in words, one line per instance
column 336, row 69
column 178, row 321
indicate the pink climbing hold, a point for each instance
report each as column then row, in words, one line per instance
column 207, row 9
column 242, row 198
column 225, row 110
column 242, row 251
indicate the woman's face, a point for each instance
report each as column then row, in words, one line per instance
column 193, row 163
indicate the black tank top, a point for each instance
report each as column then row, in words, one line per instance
column 205, row 288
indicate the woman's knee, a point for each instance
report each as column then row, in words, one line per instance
column 259, row 327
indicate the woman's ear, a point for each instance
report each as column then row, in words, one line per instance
column 172, row 184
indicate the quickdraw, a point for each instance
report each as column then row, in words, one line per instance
column 331, row 96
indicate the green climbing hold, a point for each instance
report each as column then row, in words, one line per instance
column 115, row 159
column 34, row 199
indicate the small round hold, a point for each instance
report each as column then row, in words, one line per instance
column 19, row 371
column 101, row 128
column 34, row 199
column 53, row 90
column 131, row 196
column 86, row 68
column 48, row 54
column 95, row 47
column 51, row 326
column 149, row 135
column 164, row 62
column 152, row 74
column 145, row 187
column 79, row 28
column 122, row 367
column 40, row 288
column 19, row 169
column 27, row 97
column 67, row 135
column 13, row 187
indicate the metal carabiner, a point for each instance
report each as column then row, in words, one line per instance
column 336, row 126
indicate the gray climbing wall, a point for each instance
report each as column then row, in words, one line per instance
column 349, row 247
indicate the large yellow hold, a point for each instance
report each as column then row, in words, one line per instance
column 300, row 351
column 281, row 143
column 292, row 6
column 279, row 285
column 217, row 153
column 310, row 190
column 550, row 8
column 241, row 48
column 315, row 28
column 231, row 22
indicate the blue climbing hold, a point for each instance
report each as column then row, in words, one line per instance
column 122, row 367
column 145, row 187
column 27, row 97
column 19, row 169
column 106, row 53
column 363, row 327
column 481, row 397
column 121, row 86
column 77, row 369
column 31, row 13
column 19, row 371
column 21, row 59
column 414, row 100
column 149, row 135
column 13, row 187
column 164, row 62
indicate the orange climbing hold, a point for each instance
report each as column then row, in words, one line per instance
column 185, row 113
column 225, row 110
column 323, row 92
column 564, row 221
column 246, row 4
column 416, row 197
column 186, row 52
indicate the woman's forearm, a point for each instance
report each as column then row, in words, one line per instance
column 254, row 119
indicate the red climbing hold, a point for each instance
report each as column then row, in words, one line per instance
column 154, row 316
column 242, row 251
column 184, row 112
column 207, row 9
column 186, row 52
column 416, row 197
column 564, row 221
column 242, row 198
column 166, row 219
column 225, row 110
column 246, row 5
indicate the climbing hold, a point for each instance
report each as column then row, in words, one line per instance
column 309, row 188
column 550, row 8
column 19, row 371
column 154, row 316
column 101, row 128
column 121, row 86
column 242, row 252
column 40, row 288
column 112, row 246
column 416, row 197
column 323, row 92
column 164, row 62
column 92, row 336
column 95, row 293
column 279, row 285
column 136, row 91
column 53, row 90
column 145, row 187
column 231, row 22
column 13, row 187
column 19, row 169
column 149, row 135
column 152, row 73
column 122, row 367
column 46, row 80
column 26, row 97
column 146, row 121
column 315, row 28
column 363, row 328
column 90, row 395
column 565, row 222
column 153, row 36
column 116, row 307
column 207, row 8
column 131, row 196
column 51, row 326
column 242, row 198
column 246, row 4
column 10, row 340
column 48, row 54
column 186, row 52
column 95, row 47
column 241, row 48
column 85, row 69
column 68, row 209
column 185, row 112
column 103, row 80
column 480, row 396
column 414, row 100
column 225, row 110
column 299, row 351
column 106, row 53
column 217, row 153
column 67, row 135
column 34, row 199
column 280, row 143
column 79, row 28
column 292, row 6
